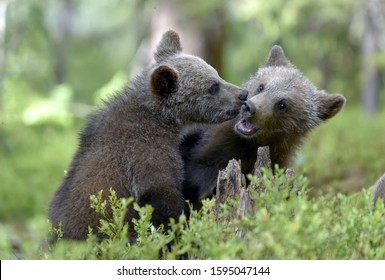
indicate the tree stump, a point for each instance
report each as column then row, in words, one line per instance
column 263, row 161
column 231, row 182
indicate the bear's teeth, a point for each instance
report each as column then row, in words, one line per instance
column 245, row 127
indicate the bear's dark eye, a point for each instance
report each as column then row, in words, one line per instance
column 281, row 106
column 214, row 88
column 260, row 88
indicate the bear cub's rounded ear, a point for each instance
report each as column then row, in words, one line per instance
column 164, row 81
column 329, row 104
column 277, row 58
column 169, row 45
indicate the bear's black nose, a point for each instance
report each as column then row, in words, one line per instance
column 249, row 107
column 243, row 95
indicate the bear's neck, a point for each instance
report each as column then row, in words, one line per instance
column 283, row 149
column 223, row 144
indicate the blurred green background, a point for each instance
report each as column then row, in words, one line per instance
column 59, row 58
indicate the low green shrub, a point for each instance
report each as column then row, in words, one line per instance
column 286, row 224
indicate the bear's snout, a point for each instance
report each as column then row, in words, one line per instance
column 249, row 107
column 243, row 95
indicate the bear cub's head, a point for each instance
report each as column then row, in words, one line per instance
column 283, row 102
column 191, row 88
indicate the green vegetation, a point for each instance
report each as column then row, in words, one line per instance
column 286, row 225
column 345, row 153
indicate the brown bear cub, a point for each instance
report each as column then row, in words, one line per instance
column 283, row 107
column 132, row 145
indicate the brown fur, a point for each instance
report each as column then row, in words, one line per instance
column 284, row 107
column 131, row 145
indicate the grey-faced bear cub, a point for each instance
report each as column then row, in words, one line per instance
column 284, row 106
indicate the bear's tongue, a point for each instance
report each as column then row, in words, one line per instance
column 246, row 128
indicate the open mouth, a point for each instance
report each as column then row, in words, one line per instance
column 246, row 128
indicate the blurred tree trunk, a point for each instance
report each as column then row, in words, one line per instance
column 3, row 24
column 370, row 46
column 201, row 34
column 326, row 70
column 61, row 46
column 371, row 89
column 214, row 36
column 370, row 28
